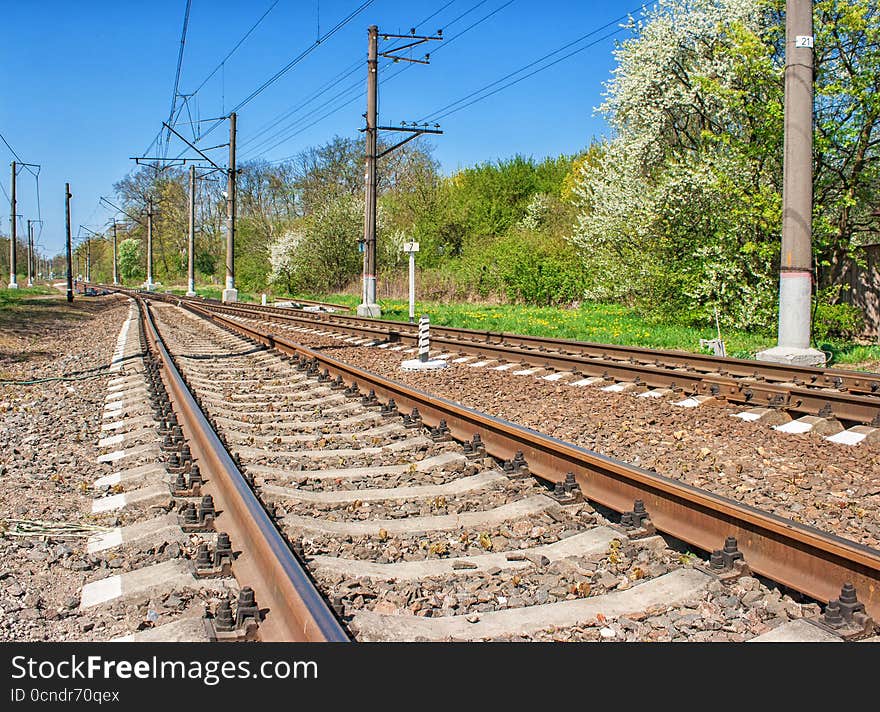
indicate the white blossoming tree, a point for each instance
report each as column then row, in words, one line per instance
column 683, row 211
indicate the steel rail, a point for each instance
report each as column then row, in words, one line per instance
column 297, row 612
column 839, row 379
column 750, row 390
column 833, row 379
column 800, row 557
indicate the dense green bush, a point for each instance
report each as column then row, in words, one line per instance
column 837, row 321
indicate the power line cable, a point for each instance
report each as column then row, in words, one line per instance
column 237, row 45
column 351, row 69
column 448, row 109
column 286, row 131
column 177, row 72
column 434, row 14
column 296, row 60
column 520, row 79
column 11, row 148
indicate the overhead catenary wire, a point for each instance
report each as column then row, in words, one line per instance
column 338, row 79
column 213, row 72
column 174, row 93
column 233, row 50
column 464, row 102
column 292, row 63
column 299, row 126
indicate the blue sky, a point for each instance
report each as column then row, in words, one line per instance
column 86, row 85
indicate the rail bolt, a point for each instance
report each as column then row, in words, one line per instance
column 389, row 409
column 441, row 432
column 223, row 620
column 195, row 477
column 190, row 515
column 849, row 602
column 223, row 549
column 635, row 517
column 204, row 560
column 206, row 509
column 247, row 607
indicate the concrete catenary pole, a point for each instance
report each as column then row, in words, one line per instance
column 115, row 256
column 369, row 307
column 191, row 242
column 149, row 283
column 88, row 259
column 795, row 273
column 230, row 294
column 30, row 253
column 67, row 197
column 13, row 280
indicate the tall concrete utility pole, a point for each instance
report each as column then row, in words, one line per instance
column 230, row 294
column 88, row 260
column 13, row 280
column 115, row 256
column 67, row 197
column 795, row 270
column 369, row 307
column 30, row 254
column 191, row 242
column 148, row 285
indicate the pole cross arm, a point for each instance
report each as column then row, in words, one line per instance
column 96, row 234
column 150, row 160
column 416, row 40
column 116, row 207
column 414, row 133
column 193, row 147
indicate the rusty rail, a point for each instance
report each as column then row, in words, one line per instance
column 297, row 612
column 851, row 396
column 798, row 556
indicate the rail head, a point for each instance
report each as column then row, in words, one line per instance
column 297, row 611
column 803, row 558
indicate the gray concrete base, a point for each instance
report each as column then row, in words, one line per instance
column 374, row 311
column 415, row 364
column 336, row 454
column 169, row 576
column 796, row 631
column 152, row 532
column 230, row 295
column 190, row 629
column 150, row 472
column 448, row 460
column 149, row 286
column 153, row 495
column 667, row 591
column 416, row 492
column 438, row 523
column 191, row 294
column 792, row 356
column 584, row 544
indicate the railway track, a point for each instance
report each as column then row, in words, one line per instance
column 411, row 534
column 765, row 389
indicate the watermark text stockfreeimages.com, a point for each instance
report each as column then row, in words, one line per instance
column 210, row 672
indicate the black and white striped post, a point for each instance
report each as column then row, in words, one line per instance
column 424, row 362
column 424, row 337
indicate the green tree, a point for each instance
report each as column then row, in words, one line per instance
column 683, row 211
column 130, row 260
